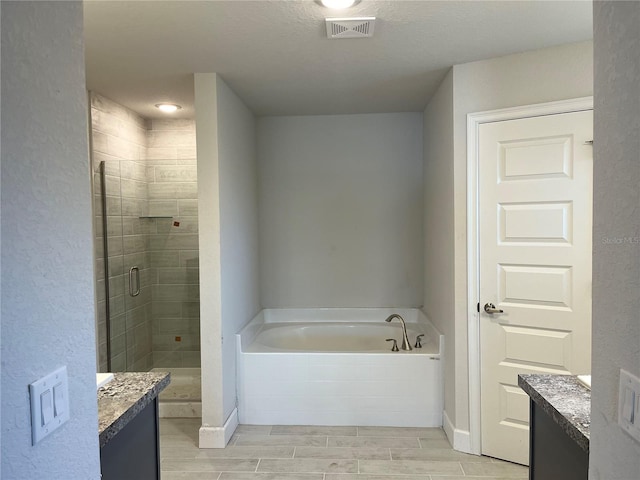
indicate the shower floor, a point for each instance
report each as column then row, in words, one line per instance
column 183, row 397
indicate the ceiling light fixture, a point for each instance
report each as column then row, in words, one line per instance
column 338, row 4
column 168, row 107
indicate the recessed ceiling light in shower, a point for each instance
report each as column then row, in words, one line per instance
column 168, row 107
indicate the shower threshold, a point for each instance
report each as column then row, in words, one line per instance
column 183, row 397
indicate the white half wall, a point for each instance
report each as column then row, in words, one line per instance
column 538, row 76
column 614, row 455
column 47, row 249
column 206, row 105
column 341, row 210
column 228, row 220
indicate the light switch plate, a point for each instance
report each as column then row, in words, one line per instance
column 628, row 404
column 49, row 398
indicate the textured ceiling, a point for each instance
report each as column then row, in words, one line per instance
column 276, row 57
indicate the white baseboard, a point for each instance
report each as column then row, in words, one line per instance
column 460, row 439
column 218, row 437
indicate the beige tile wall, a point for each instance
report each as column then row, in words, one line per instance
column 151, row 171
column 173, row 247
column 119, row 139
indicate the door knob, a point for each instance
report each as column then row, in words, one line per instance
column 490, row 308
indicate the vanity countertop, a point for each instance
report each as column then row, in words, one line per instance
column 120, row 400
column 565, row 400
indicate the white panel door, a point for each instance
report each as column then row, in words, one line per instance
column 535, row 202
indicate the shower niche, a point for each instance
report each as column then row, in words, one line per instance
column 146, row 224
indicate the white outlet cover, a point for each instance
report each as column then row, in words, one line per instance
column 59, row 381
column 628, row 404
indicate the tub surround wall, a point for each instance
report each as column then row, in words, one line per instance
column 616, row 263
column 228, row 218
column 340, row 210
column 47, row 261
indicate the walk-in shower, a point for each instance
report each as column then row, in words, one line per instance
column 146, row 224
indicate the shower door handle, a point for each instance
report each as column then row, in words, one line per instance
column 136, row 292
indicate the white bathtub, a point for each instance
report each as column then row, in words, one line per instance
column 334, row 367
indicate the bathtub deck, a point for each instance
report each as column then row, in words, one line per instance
column 323, row 453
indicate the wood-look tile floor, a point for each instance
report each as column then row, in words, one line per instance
column 258, row 452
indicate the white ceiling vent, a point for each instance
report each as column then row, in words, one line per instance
column 359, row 27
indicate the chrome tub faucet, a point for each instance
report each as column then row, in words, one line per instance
column 405, row 340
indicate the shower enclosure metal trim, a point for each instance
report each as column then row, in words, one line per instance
column 105, row 250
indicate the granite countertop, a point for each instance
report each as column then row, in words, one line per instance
column 120, row 400
column 565, row 400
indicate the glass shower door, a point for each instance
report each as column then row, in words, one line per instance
column 125, row 229
column 136, row 227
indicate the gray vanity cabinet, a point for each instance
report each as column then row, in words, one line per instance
column 133, row 454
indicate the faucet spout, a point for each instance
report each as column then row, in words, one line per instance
column 406, row 345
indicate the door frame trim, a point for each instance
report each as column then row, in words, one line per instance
column 474, row 120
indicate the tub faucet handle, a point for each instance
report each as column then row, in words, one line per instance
column 395, row 344
column 418, row 341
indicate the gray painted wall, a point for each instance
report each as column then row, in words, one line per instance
column 47, row 263
column 538, row 76
column 438, row 226
column 238, row 228
column 616, row 233
column 341, row 210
